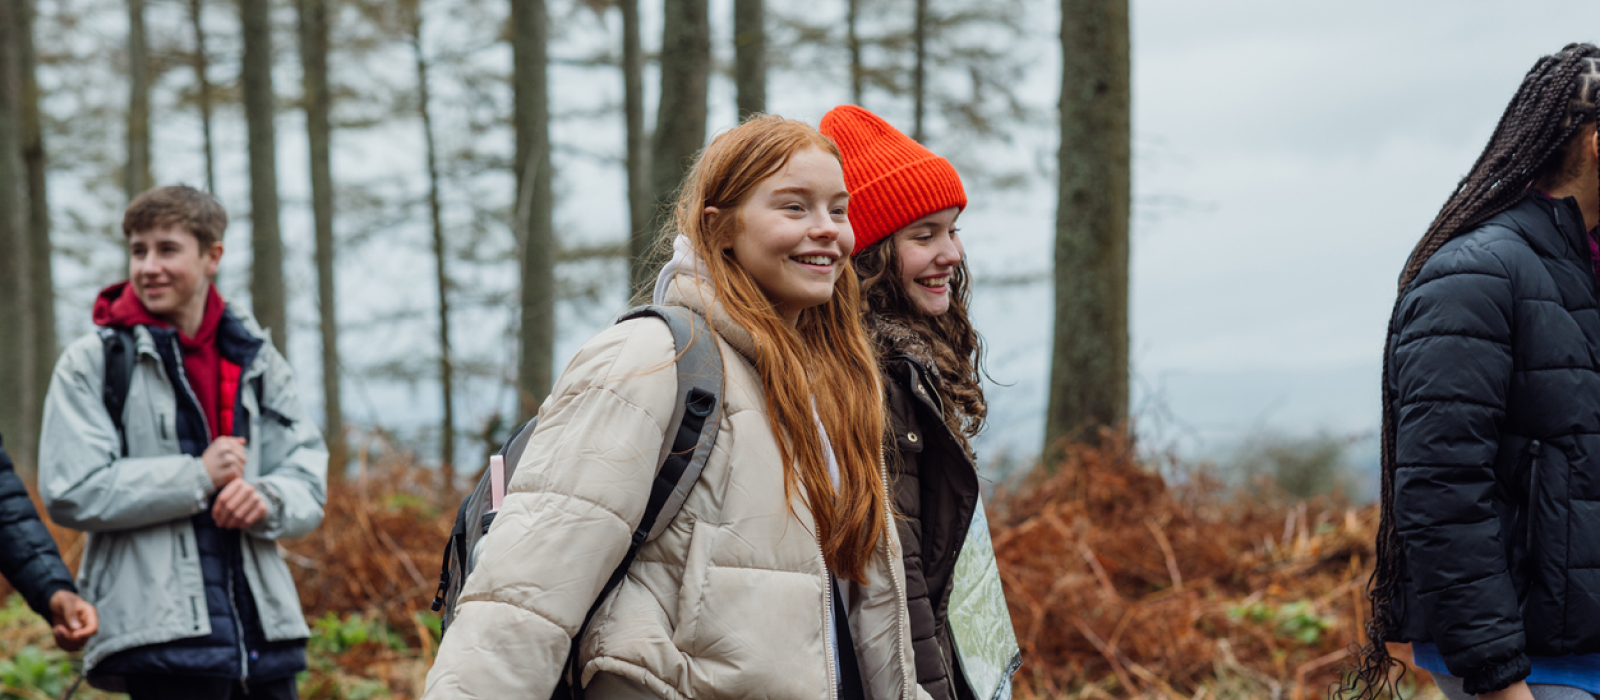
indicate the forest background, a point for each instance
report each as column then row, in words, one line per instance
column 467, row 202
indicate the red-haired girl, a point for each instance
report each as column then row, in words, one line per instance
column 779, row 577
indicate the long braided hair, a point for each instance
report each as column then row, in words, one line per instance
column 1556, row 100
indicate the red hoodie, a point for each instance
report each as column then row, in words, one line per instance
column 213, row 378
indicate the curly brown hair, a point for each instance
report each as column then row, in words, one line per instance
column 948, row 343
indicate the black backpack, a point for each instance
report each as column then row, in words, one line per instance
column 683, row 455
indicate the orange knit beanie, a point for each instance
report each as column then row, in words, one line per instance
column 892, row 179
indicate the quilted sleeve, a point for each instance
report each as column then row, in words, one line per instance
column 577, row 495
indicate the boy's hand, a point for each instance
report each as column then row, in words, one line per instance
column 224, row 460
column 72, row 620
column 239, row 506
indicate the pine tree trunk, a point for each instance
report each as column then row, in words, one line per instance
column 919, row 71
column 750, row 56
column 41, row 276
column 447, row 429
column 313, row 16
column 852, row 38
column 681, row 116
column 16, row 311
column 136, row 172
column 536, row 202
column 201, row 62
column 1089, row 366
column 266, row 264
column 638, row 155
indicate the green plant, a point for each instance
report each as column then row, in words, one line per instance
column 1296, row 620
column 30, row 668
column 332, row 634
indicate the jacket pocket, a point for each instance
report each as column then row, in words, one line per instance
column 1545, row 540
column 692, row 586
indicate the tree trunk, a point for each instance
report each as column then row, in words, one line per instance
column 266, row 264
column 919, row 71
column 750, row 56
column 201, row 62
column 313, row 16
column 1089, row 366
column 136, row 173
column 41, row 277
column 852, row 39
column 638, row 156
column 535, row 202
column 681, row 116
column 447, row 430
column 16, row 311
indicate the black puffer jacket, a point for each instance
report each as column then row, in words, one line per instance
column 29, row 559
column 935, row 487
column 1497, row 457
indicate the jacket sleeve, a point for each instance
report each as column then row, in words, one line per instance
column 1452, row 367
column 294, row 458
column 83, row 482
column 574, row 501
column 29, row 559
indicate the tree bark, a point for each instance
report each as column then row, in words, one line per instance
column 681, row 116
column 136, row 172
column 16, row 312
column 313, row 25
column 750, row 56
column 852, row 39
column 447, row 429
column 41, row 276
column 919, row 71
column 1089, row 366
column 638, row 155
column 201, row 62
column 535, row 202
column 266, row 264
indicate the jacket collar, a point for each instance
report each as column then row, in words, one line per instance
column 699, row 297
column 1554, row 227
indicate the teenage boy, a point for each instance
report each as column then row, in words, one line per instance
column 215, row 460
column 31, row 563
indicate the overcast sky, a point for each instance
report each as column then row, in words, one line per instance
column 1287, row 157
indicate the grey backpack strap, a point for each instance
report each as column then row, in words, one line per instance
column 699, row 365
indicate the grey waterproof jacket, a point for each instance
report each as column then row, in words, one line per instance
column 140, row 567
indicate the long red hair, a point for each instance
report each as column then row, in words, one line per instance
column 826, row 354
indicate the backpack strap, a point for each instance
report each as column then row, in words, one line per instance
column 697, row 416
column 120, row 348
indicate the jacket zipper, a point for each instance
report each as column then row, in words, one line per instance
column 832, row 642
column 888, row 513
column 233, row 607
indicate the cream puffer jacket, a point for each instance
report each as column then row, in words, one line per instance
column 730, row 601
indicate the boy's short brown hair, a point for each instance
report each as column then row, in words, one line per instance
column 177, row 205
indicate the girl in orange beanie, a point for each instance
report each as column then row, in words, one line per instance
column 904, row 201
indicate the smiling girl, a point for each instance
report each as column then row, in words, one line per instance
column 903, row 209
column 778, row 578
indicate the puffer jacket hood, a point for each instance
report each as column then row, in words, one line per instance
column 731, row 601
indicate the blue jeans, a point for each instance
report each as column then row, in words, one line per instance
column 1452, row 688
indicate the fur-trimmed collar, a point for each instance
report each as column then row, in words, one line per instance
column 892, row 336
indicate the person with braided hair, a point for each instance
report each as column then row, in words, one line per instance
column 1489, row 540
